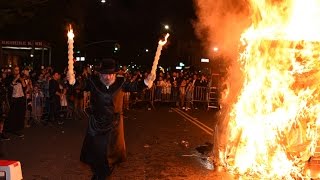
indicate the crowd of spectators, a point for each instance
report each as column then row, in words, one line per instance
column 33, row 97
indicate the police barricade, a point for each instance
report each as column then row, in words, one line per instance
column 200, row 94
column 77, row 107
column 166, row 94
column 86, row 100
column 186, row 97
column 192, row 98
column 35, row 107
column 206, row 97
column 86, row 103
column 132, row 99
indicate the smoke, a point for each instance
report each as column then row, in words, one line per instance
column 220, row 23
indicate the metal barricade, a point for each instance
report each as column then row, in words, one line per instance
column 146, row 96
column 200, row 94
column 207, row 96
column 126, row 100
column 86, row 100
column 166, row 94
column 38, row 102
column 213, row 98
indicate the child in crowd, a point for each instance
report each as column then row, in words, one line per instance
column 37, row 104
column 189, row 95
column 182, row 93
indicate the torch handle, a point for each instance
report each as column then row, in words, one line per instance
column 156, row 60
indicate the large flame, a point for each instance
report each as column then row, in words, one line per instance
column 272, row 127
column 163, row 42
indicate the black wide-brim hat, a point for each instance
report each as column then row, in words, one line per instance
column 108, row 66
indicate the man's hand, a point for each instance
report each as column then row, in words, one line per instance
column 17, row 78
column 72, row 82
column 149, row 80
column 151, row 77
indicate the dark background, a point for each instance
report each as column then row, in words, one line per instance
column 134, row 24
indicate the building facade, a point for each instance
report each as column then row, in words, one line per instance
column 24, row 53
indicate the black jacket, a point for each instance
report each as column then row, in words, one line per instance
column 53, row 88
column 106, row 120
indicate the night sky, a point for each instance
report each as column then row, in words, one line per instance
column 135, row 24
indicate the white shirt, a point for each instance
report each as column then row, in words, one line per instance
column 17, row 90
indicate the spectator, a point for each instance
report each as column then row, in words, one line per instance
column 54, row 96
column 4, row 107
column 37, row 104
column 16, row 117
column 182, row 93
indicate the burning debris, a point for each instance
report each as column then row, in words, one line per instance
column 185, row 143
column 205, row 149
column 269, row 127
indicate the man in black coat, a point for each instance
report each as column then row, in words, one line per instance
column 104, row 144
column 54, row 98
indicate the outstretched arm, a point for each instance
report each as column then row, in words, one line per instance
column 139, row 85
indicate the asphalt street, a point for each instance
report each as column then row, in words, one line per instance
column 160, row 145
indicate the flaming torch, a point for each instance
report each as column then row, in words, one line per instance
column 70, row 74
column 158, row 54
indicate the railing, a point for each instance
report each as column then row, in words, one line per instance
column 204, row 95
column 185, row 98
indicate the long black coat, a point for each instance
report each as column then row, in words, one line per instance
column 104, row 140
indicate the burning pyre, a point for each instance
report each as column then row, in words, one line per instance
column 270, row 131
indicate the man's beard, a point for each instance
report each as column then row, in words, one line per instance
column 107, row 82
column 110, row 82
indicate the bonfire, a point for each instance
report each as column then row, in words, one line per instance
column 271, row 129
